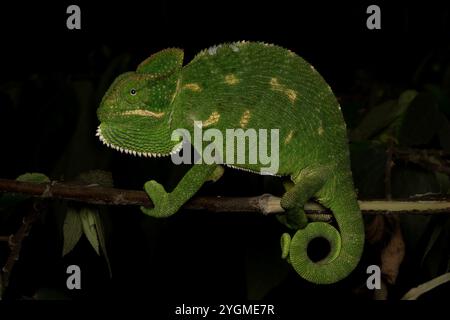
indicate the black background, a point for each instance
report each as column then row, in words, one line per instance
column 193, row 255
column 331, row 34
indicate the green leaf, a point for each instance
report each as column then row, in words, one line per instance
column 433, row 238
column 405, row 99
column 378, row 118
column 87, row 216
column 8, row 200
column 391, row 133
column 442, row 98
column 421, row 122
column 435, row 259
column 383, row 120
column 33, row 177
column 90, row 222
column 72, row 230
column 102, row 238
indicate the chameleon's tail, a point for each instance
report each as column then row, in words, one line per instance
column 346, row 245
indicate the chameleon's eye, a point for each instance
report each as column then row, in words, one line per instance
column 133, row 92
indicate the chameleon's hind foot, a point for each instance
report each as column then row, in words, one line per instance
column 294, row 218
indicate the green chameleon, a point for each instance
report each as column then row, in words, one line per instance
column 246, row 85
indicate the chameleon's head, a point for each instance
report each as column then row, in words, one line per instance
column 135, row 113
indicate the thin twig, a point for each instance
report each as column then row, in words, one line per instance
column 434, row 160
column 382, row 294
column 388, row 171
column 428, row 152
column 266, row 204
column 416, row 292
column 15, row 242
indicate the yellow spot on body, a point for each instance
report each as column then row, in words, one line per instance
column 290, row 93
column 192, row 86
column 212, row 119
column 231, row 79
column 289, row 137
column 144, row 113
column 274, row 84
column 244, row 119
column 320, row 131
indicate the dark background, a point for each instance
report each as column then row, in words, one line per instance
column 52, row 80
column 35, row 36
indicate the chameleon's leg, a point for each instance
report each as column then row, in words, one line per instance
column 296, row 197
column 166, row 204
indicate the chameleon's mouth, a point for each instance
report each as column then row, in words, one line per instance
column 110, row 144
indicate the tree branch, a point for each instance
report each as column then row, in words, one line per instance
column 15, row 242
column 265, row 204
column 416, row 292
column 433, row 160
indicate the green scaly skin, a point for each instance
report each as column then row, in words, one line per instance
column 246, row 85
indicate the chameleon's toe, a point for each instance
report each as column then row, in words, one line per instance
column 282, row 219
column 217, row 174
column 160, row 199
column 155, row 190
column 294, row 218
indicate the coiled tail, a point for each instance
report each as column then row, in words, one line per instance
column 346, row 245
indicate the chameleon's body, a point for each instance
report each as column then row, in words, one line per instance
column 246, row 85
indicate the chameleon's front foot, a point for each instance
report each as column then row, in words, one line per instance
column 163, row 205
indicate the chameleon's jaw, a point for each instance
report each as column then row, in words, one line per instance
column 112, row 145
